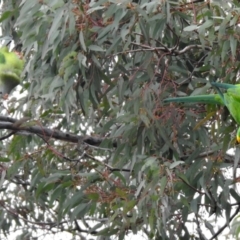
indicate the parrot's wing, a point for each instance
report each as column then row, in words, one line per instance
column 231, row 98
column 232, row 101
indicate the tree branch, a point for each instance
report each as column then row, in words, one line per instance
column 226, row 224
column 8, row 123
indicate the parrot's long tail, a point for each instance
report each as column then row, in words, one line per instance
column 212, row 99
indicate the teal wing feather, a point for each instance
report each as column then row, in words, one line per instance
column 225, row 85
column 217, row 87
column 208, row 99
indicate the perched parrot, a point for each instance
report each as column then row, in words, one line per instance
column 11, row 67
column 230, row 99
column 68, row 63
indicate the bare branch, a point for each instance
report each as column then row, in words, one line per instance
column 8, row 123
column 226, row 224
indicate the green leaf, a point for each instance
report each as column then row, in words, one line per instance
column 175, row 164
column 81, row 38
column 95, row 48
column 6, row 15
column 3, row 159
column 233, row 45
column 190, row 28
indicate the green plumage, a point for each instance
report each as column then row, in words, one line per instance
column 231, row 99
column 211, row 99
column 67, row 65
column 11, row 67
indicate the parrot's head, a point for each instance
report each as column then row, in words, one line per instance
column 11, row 67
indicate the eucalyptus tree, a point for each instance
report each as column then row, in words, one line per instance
column 99, row 153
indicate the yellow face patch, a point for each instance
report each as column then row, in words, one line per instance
column 238, row 138
column 238, row 135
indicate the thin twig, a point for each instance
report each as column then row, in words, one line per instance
column 226, row 224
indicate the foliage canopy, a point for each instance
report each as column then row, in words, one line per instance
column 101, row 153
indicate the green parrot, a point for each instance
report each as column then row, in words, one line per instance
column 230, row 99
column 68, row 63
column 11, row 67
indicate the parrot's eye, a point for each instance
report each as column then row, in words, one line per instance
column 2, row 59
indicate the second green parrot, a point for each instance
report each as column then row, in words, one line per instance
column 230, row 99
column 68, row 64
column 11, row 67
